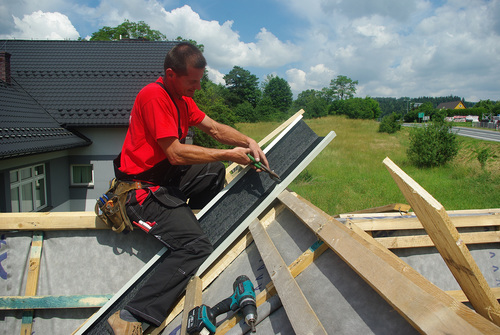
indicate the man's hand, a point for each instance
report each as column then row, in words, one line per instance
column 257, row 153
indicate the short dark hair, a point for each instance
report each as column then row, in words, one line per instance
column 180, row 55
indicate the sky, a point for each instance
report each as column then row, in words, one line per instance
column 393, row 48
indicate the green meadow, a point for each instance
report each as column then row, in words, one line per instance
column 348, row 175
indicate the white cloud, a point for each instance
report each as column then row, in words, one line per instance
column 216, row 76
column 317, row 77
column 43, row 25
column 297, row 79
column 223, row 47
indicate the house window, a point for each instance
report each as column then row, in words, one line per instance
column 28, row 190
column 82, row 175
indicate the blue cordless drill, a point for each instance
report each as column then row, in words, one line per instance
column 201, row 319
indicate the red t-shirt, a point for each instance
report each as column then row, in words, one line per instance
column 154, row 116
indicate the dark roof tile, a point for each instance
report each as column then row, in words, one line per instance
column 67, row 77
column 26, row 128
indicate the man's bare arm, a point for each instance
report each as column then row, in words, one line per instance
column 230, row 136
column 182, row 154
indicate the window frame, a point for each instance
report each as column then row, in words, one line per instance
column 72, row 171
column 33, row 182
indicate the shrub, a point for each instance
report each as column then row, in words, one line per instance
column 432, row 145
column 482, row 156
column 389, row 124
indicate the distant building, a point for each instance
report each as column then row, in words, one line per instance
column 451, row 105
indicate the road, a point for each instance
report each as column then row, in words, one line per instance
column 480, row 134
column 477, row 133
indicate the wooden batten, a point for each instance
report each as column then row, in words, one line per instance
column 192, row 300
column 410, row 223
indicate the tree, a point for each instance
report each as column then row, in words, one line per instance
column 357, row 108
column 312, row 102
column 241, row 86
column 280, row 93
column 127, row 29
column 199, row 46
column 265, row 110
column 343, row 87
column 210, row 100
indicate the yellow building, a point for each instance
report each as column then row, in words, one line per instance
column 451, row 105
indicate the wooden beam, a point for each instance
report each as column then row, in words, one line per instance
column 229, row 170
column 51, row 221
column 299, row 311
column 408, row 223
column 489, row 211
column 384, row 209
column 449, row 243
column 460, row 295
column 420, row 241
column 429, row 309
column 32, row 280
column 193, row 299
column 53, row 301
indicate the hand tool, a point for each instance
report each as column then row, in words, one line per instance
column 261, row 166
column 201, row 319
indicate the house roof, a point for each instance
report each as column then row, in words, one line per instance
column 86, row 83
column 449, row 105
column 26, row 127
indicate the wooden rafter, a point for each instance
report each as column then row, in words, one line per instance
column 448, row 242
column 299, row 311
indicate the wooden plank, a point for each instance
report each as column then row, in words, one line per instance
column 429, row 309
column 420, row 241
column 410, row 223
column 300, row 313
column 32, row 279
column 53, row 301
column 51, row 221
column 449, row 243
column 383, row 209
column 229, row 170
column 193, row 299
column 490, row 211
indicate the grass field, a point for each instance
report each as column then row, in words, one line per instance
column 349, row 175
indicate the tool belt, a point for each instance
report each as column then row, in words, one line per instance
column 110, row 208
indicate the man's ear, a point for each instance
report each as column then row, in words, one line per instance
column 169, row 73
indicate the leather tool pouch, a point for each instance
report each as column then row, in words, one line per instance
column 110, row 208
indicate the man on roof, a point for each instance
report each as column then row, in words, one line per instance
column 154, row 153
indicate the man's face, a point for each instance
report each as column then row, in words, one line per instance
column 186, row 85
